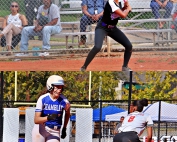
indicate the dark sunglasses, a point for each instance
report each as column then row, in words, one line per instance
column 14, row 6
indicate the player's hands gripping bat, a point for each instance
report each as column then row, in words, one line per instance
column 126, row 4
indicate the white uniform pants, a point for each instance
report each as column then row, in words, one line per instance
column 41, row 133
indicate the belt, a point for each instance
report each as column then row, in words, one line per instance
column 107, row 26
column 53, row 127
column 129, row 132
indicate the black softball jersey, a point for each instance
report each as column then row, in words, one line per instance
column 109, row 17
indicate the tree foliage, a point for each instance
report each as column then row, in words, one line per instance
column 9, row 85
column 154, row 85
column 32, row 84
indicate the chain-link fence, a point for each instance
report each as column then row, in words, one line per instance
column 99, row 125
column 1, row 105
column 91, row 124
column 141, row 25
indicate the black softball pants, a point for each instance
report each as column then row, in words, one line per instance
column 114, row 33
column 126, row 137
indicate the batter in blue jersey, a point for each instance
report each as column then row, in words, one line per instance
column 49, row 112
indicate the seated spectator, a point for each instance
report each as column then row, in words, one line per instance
column 13, row 25
column 47, row 23
column 118, row 125
column 174, row 15
column 15, row 40
column 156, row 5
column 31, row 7
column 93, row 11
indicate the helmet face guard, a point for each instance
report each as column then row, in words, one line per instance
column 54, row 80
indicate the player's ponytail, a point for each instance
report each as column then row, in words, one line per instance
column 140, row 104
column 144, row 102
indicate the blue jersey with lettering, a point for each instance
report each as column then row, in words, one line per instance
column 46, row 105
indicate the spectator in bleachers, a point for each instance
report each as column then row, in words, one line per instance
column 47, row 24
column 13, row 25
column 31, row 7
column 174, row 15
column 92, row 13
column 118, row 125
column 156, row 5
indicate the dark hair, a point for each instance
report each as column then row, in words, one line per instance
column 42, row 92
column 140, row 104
column 61, row 89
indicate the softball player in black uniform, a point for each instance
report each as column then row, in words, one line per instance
column 135, row 123
column 107, row 26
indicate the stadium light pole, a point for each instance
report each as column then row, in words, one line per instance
column 1, row 105
column 130, row 92
column 159, row 114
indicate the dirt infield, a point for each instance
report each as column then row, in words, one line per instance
column 138, row 62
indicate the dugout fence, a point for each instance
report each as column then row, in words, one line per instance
column 84, row 124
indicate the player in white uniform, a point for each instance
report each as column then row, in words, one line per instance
column 135, row 123
column 49, row 112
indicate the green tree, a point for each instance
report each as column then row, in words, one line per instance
column 154, row 85
column 30, row 85
column 103, row 85
column 9, row 85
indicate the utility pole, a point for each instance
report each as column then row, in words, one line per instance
column 130, row 92
column 1, row 105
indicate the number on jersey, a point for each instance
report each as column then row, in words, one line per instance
column 131, row 118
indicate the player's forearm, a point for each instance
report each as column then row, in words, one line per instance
column 126, row 11
column 149, row 134
column 39, row 120
column 67, row 116
column 149, row 139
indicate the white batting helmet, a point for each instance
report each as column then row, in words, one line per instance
column 54, row 80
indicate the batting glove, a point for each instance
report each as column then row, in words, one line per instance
column 51, row 116
column 63, row 133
